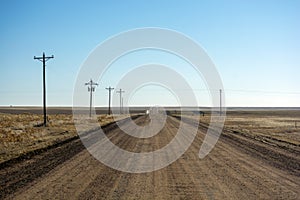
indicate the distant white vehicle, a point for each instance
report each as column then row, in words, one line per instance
column 147, row 112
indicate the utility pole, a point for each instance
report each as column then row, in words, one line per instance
column 220, row 102
column 91, row 89
column 122, row 105
column 109, row 94
column 44, row 60
column 120, row 91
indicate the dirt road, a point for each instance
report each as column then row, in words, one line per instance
column 237, row 168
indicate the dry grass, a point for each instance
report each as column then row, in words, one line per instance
column 19, row 133
column 280, row 126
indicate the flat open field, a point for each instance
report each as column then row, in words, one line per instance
column 20, row 130
column 256, row 157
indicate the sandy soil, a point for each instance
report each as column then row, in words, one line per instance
column 283, row 126
column 239, row 167
column 20, row 133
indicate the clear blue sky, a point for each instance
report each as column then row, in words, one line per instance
column 254, row 44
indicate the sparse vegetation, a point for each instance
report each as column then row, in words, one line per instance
column 19, row 133
column 278, row 125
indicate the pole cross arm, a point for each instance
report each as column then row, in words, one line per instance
column 44, row 59
column 91, row 89
column 41, row 58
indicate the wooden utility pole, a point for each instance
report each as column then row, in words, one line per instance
column 122, row 102
column 109, row 97
column 91, row 89
column 121, row 107
column 44, row 59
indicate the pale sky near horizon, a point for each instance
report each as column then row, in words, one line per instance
column 255, row 46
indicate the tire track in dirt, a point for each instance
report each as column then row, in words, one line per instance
column 230, row 171
column 274, row 155
column 110, row 179
column 250, row 171
column 20, row 173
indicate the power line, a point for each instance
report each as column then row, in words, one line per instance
column 109, row 97
column 120, row 92
column 91, row 89
column 44, row 59
column 5, row 91
column 261, row 91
